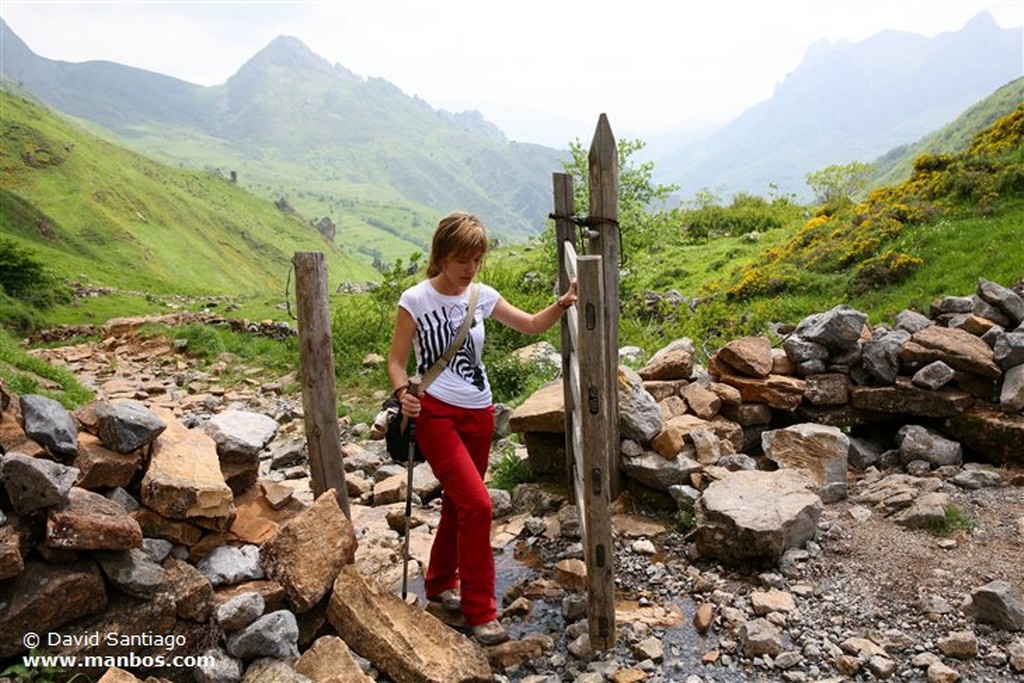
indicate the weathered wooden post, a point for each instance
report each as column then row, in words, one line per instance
column 598, row 452
column 316, row 359
column 565, row 232
column 604, row 240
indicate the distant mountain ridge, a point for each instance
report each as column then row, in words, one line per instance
column 380, row 164
column 847, row 102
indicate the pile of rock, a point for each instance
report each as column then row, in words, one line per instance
column 127, row 537
column 781, row 426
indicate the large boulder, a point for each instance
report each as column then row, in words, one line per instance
column 308, row 552
column 405, row 642
column 753, row 517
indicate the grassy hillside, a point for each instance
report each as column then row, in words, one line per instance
column 89, row 208
column 898, row 163
column 957, row 218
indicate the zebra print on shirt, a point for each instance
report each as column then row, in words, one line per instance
column 435, row 331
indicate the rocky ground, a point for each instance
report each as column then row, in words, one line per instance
column 868, row 599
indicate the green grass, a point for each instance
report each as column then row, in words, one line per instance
column 954, row 521
column 85, row 205
column 511, row 471
column 24, row 374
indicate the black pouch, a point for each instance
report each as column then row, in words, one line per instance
column 396, row 438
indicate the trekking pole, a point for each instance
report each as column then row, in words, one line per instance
column 414, row 388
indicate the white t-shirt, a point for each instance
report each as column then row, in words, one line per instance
column 463, row 382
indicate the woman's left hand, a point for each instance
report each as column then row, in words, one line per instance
column 570, row 296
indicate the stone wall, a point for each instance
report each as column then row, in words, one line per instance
column 957, row 374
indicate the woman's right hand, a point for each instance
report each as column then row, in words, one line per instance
column 410, row 404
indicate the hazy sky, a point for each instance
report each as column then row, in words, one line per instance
column 542, row 71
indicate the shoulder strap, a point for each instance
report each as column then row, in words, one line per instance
column 434, row 370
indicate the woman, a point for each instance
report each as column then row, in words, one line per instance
column 455, row 415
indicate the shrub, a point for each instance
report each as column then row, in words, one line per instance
column 955, row 520
column 24, row 277
column 511, row 471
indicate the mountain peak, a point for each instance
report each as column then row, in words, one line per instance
column 289, row 53
column 982, row 21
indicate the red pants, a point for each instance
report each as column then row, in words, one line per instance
column 456, row 442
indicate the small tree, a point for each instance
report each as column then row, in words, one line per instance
column 839, row 183
column 638, row 194
column 24, row 277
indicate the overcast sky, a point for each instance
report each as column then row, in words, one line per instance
column 542, row 71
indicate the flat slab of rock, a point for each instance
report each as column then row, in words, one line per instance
column 988, row 431
column 184, row 480
column 906, row 398
column 405, row 642
column 91, row 522
column 543, row 411
column 956, row 348
column 45, row 597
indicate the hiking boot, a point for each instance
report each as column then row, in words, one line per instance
column 449, row 600
column 491, row 633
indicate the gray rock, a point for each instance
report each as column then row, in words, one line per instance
column 659, row 472
column 51, row 426
column 132, row 572
column 639, row 413
column 240, row 611
column 1008, row 350
column 125, row 426
column 1003, row 298
column 123, row 498
column 925, row 511
column 756, row 516
column 933, row 376
column 288, row 453
column 800, row 350
column 953, row 304
column 838, row 329
column 217, row 666
column 227, row 565
column 911, row 321
column 880, row 358
column 157, row 548
column 974, row 476
column 501, row 503
column 863, row 453
column 240, row 435
column 1011, row 395
column 998, row 603
column 984, row 309
column 272, row 635
column 35, row 483
column 920, row 443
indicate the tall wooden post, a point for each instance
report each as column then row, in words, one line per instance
column 604, row 240
column 565, row 232
column 316, row 357
column 597, row 400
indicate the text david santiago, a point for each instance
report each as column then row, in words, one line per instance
column 94, row 639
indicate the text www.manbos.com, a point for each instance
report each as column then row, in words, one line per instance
column 130, row 660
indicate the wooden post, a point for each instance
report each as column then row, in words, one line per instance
column 316, row 358
column 565, row 231
column 600, row 454
column 604, row 212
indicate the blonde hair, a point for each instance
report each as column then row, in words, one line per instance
column 457, row 233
